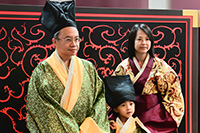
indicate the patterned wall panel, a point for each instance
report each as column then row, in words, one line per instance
column 24, row 43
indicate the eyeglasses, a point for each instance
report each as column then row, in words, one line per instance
column 69, row 40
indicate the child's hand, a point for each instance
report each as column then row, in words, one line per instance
column 112, row 124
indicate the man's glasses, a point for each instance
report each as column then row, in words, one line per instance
column 69, row 40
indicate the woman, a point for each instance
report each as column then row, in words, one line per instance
column 160, row 104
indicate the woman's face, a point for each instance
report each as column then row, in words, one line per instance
column 142, row 42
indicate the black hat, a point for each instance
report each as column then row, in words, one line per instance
column 57, row 15
column 118, row 90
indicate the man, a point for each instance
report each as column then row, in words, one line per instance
column 59, row 98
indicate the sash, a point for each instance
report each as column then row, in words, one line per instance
column 72, row 81
column 90, row 126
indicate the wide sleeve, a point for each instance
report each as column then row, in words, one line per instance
column 44, row 114
column 124, row 69
column 98, row 112
column 168, row 85
column 118, row 71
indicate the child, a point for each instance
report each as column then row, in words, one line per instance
column 120, row 96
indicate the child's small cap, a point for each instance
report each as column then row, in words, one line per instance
column 118, row 90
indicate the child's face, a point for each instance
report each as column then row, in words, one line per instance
column 125, row 110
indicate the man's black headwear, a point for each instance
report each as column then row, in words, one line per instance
column 57, row 15
column 118, row 90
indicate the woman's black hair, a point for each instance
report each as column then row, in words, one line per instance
column 132, row 36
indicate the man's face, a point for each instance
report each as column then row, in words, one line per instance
column 67, row 43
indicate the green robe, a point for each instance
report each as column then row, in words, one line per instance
column 44, row 113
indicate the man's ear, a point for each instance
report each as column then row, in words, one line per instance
column 54, row 41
